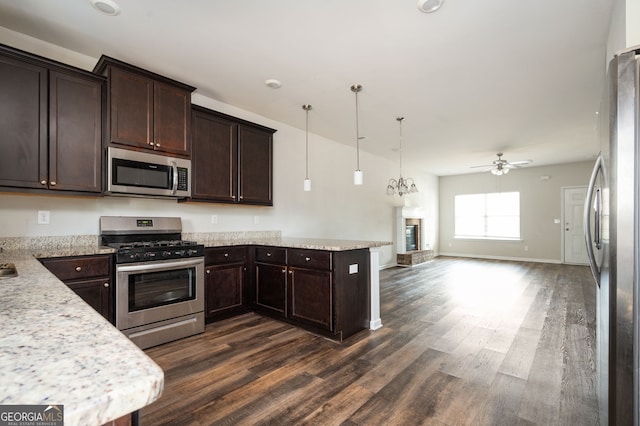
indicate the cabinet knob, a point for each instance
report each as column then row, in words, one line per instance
column 226, row 255
column 106, row 285
column 308, row 259
column 151, row 143
column 78, row 268
column 284, row 271
column 43, row 182
column 208, row 271
column 268, row 254
column 53, row 183
column 157, row 145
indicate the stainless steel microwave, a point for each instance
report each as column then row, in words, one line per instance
column 146, row 174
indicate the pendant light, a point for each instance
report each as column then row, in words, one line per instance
column 357, row 175
column 307, row 181
column 401, row 185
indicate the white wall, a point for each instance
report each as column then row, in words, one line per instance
column 335, row 208
column 540, row 204
column 624, row 26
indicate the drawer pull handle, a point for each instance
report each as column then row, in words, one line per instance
column 78, row 268
column 106, row 285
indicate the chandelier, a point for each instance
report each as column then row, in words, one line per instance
column 401, row 185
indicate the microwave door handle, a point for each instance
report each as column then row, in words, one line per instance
column 174, row 187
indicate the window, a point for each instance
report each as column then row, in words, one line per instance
column 491, row 216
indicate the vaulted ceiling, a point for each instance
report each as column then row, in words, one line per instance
column 472, row 79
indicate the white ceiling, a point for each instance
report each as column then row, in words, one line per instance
column 520, row 77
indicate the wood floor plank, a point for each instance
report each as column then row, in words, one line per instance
column 464, row 342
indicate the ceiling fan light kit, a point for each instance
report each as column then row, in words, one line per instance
column 501, row 166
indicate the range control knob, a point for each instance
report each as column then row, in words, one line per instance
column 166, row 253
column 137, row 256
column 180, row 252
column 192, row 252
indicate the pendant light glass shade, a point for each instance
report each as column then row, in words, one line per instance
column 358, row 178
column 307, row 181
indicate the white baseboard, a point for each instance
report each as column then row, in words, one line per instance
column 517, row 259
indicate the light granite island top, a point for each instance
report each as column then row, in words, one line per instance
column 55, row 349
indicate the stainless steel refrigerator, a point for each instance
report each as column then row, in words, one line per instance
column 612, row 234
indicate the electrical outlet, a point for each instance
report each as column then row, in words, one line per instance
column 526, row 248
column 256, row 220
column 44, row 217
column 214, row 219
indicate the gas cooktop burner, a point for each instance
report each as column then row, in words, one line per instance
column 149, row 244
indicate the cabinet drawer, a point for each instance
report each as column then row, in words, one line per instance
column 314, row 259
column 275, row 255
column 220, row 255
column 72, row 268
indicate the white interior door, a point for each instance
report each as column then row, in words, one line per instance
column 575, row 250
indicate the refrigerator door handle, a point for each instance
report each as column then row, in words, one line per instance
column 595, row 270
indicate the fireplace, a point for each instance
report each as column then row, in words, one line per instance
column 411, row 241
column 412, row 234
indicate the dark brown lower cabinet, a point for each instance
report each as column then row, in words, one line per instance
column 225, row 282
column 90, row 277
column 324, row 291
column 271, row 288
column 310, row 297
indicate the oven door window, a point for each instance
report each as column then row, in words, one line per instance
column 153, row 289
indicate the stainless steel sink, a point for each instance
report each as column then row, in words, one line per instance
column 8, row 270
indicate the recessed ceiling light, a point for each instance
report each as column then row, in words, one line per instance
column 429, row 6
column 273, row 83
column 106, row 7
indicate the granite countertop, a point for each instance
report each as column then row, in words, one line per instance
column 215, row 240
column 55, row 349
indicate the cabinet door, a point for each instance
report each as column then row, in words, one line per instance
column 131, row 109
column 271, row 287
column 310, row 294
column 97, row 294
column 75, row 133
column 171, row 119
column 23, row 124
column 256, row 177
column 214, row 158
column 223, row 288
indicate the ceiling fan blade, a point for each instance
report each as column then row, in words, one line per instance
column 519, row 163
column 484, row 165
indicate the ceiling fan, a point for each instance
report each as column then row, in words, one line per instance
column 501, row 166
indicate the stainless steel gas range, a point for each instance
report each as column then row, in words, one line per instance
column 159, row 294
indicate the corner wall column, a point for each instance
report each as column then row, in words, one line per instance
column 374, row 321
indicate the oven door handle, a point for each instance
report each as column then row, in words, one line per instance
column 159, row 265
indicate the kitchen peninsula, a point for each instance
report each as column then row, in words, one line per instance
column 55, row 349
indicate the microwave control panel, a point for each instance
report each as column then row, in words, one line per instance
column 183, row 179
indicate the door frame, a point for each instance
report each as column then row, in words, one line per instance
column 562, row 220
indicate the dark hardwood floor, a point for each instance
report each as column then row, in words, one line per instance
column 464, row 341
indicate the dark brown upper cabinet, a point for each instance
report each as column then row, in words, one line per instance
column 232, row 159
column 50, row 125
column 146, row 110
